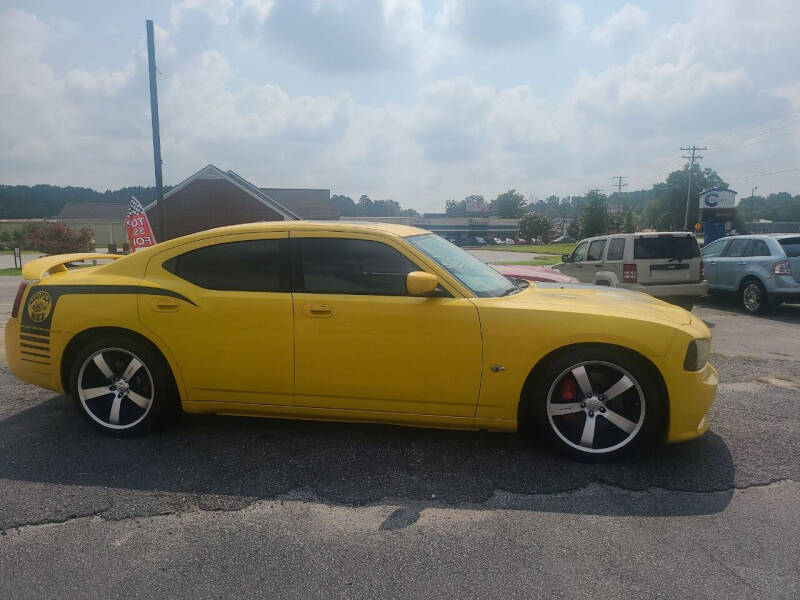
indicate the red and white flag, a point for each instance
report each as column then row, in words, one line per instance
column 140, row 234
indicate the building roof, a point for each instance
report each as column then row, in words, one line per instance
column 213, row 172
column 314, row 204
column 90, row 211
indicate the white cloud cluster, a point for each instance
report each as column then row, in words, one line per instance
column 455, row 134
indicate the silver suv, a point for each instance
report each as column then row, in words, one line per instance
column 760, row 269
column 666, row 265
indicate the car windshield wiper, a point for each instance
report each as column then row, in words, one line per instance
column 511, row 290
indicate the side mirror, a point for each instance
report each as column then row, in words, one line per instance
column 565, row 257
column 420, row 283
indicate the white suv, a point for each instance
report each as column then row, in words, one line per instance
column 666, row 265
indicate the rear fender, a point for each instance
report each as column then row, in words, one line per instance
column 608, row 278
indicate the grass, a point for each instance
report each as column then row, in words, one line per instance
column 24, row 252
column 557, row 249
column 536, row 262
column 11, row 271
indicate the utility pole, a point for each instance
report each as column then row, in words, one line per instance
column 594, row 191
column 151, row 63
column 692, row 157
column 620, row 182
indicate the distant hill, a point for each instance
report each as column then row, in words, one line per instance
column 32, row 202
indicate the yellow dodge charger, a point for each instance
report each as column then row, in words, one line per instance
column 357, row 322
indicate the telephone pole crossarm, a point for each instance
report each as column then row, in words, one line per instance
column 692, row 158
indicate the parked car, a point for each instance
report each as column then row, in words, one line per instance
column 510, row 241
column 531, row 273
column 564, row 239
column 666, row 265
column 760, row 269
column 480, row 241
column 356, row 322
column 498, row 241
column 522, row 241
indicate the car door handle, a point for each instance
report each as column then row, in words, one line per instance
column 712, row 262
column 166, row 305
column 741, row 262
column 318, row 310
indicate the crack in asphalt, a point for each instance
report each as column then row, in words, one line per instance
column 408, row 511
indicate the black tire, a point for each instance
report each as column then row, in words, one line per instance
column 136, row 402
column 641, row 406
column 752, row 296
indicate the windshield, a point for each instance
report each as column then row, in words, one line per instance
column 480, row 278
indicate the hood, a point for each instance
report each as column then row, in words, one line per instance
column 603, row 300
column 532, row 273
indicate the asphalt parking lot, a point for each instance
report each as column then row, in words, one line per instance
column 232, row 507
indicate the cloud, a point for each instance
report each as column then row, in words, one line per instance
column 507, row 23
column 218, row 11
column 627, row 24
column 340, row 35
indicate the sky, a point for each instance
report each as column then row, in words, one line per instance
column 414, row 100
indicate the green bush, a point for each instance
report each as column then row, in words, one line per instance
column 56, row 238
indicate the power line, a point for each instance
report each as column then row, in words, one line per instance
column 764, row 174
column 753, row 138
column 693, row 157
column 750, row 162
column 745, row 128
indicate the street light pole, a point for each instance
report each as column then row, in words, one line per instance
column 752, row 203
column 151, row 64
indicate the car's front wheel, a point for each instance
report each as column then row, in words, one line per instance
column 596, row 403
column 122, row 387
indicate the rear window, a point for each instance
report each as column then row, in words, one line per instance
column 668, row 246
column 791, row 246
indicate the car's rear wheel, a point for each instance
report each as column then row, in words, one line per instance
column 753, row 296
column 597, row 403
column 122, row 387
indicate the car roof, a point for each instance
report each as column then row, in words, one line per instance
column 353, row 226
column 639, row 235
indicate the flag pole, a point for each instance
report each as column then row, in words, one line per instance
column 151, row 63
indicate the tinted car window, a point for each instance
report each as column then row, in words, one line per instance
column 791, row 246
column 346, row 266
column 666, row 246
column 579, row 253
column 250, row 266
column 759, row 248
column 738, row 248
column 715, row 248
column 596, row 250
column 616, row 249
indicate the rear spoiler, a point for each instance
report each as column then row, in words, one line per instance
column 36, row 269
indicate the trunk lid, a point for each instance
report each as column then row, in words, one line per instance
column 666, row 258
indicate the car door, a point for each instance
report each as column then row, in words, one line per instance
column 615, row 257
column 732, row 263
column 594, row 259
column 711, row 255
column 233, row 335
column 575, row 266
column 363, row 344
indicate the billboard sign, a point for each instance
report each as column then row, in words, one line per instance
column 717, row 198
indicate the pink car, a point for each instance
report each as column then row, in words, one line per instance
column 534, row 273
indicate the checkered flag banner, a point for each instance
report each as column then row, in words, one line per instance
column 135, row 208
column 140, row 234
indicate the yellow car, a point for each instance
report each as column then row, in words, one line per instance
column 356, row 322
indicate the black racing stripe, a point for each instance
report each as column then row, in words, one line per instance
column 38, row 340
column 35, row 331
column 38, row 362
column 116, row 289
column 35, row 347
column 34, row 354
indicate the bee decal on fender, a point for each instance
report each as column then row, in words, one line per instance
column 39, row 306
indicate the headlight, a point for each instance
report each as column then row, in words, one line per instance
column 697, row 355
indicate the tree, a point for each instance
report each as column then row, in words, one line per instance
column 594, row 220
column 344, row 205
column 508, row 205
column 533, row 225
column 57, row 238
column 629, row 226
column 668, row 209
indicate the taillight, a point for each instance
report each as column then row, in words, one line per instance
column 782, row 268
column 702, row 271
column 18, row 299
column 629, row 273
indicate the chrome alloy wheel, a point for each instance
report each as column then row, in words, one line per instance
column 751, row 297
column 115, row 388
column 596, row 407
